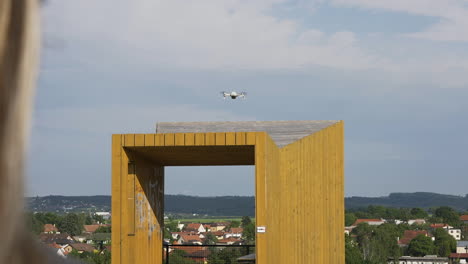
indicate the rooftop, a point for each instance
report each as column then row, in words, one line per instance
column 282, row 132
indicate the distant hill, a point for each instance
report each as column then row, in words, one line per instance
column 237, row 205
column 417, row 199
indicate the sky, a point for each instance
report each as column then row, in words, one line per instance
column 395, row 71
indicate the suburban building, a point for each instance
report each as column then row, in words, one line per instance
column 234, row 232
column 60, row 239
column 218, row 226
column 410, row 235
column 429, row 259
column 190, row 239
column 462, row 246
column 464, row 218
column 369, row 221
column 416, row 222
column 195, row 227
column 104, row 215
column 83, row 247
column 460, row 258
column 229, row 241
column 92, row 228
column 50, row 229
column 443, row 226
column 197, row 254
column 455, row 233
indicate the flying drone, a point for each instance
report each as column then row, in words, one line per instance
column 234, row 94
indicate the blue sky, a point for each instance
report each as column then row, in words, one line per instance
column 394, row 71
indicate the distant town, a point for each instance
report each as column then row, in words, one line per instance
column 79, row 228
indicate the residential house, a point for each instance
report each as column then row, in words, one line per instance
column 369, row 221
column 62, row 251
column 464, row 219
column 410, row 235
column 462, row 246
column 197, row 254
column 461, row 258
column 455, row 233
column 177, row 235
column 229, row 241
column 416, row 222
column 234, row 232
column 348, row 229
column 190, row 239
column 105, row 215
column 218, row 226
column 428, row 259
column 82, row 238
column 92, row 228
column 195, row 227
column 218, row 234
column 443, row 226
column 83, row 247
column 50, row 229
column 60, row 239
column 180, row 226
column 207, row 227
column 100, row 239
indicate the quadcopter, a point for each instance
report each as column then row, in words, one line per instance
column 234, row 95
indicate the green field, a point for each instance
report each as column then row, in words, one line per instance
column 208, row 219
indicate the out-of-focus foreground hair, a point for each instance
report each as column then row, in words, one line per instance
column 19, row 49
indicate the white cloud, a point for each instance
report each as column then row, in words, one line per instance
column 453, row 14
column 208, row 34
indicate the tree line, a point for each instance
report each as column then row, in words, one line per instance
column 370, row 244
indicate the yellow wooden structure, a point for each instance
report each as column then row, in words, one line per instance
column 299, row 187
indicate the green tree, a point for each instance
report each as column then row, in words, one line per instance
column 352, row 253
column 363, row 237
column 421, row 246
column 235, row 223
column 245, row 221
column 224, row 256
column 444, row 243
column 448, row 215
column 249, row 233
column 178, row 257
column 210, row 239
column 104, row 229
column 350, row 218
column 88, row 220
column 418, row 213
column 34, row 225
column 71, row 224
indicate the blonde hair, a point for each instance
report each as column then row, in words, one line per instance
column 19, row 48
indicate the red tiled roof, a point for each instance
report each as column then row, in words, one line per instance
column 237, row 230
column 188, row 238
column 464, row 218
column 54, row 245
column 358, row 221
column 92, row 228
column 83, row 247
column 438, row 225
column 193, row 226
column 230, row 239
column 459, row 255
column 50, row 228
column 218, row 233
column 410, row 235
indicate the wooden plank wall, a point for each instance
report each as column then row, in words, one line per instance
column 306, row 201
